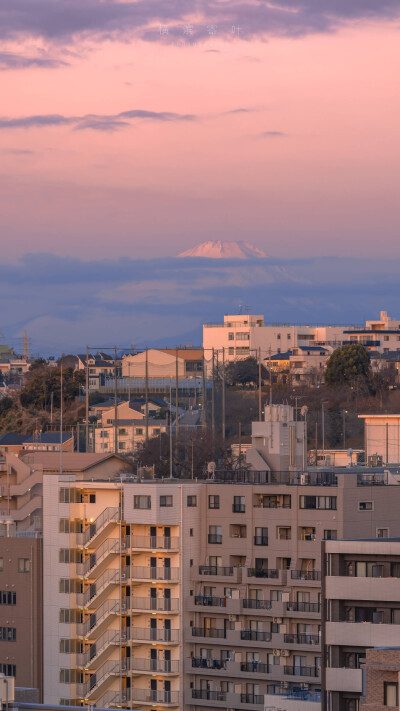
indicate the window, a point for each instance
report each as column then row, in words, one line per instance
column 278, row 336
column 24, row 565
column 71, row 646
column 8, row 634
column 8, row 597
column 261, row 536
column 386, row 338
column 191, row 532
column 382, row 533
column 284, row 533
column 192, row 501
column 365, row 505
column 69, row 585
column 390, row 693
column 166, row 500
column 71, row 676
column 121, row 445
column 318, row 502
column 8, row 669
column 330, row 534
column 70, row 555
column 276, row 595
column 68, row 616
column 70, row 496
column 92, row 498
column 67, row 526
column 242, row 336
column 231, row 351
column 243, row 350
column 139, row 430
column 213, row 501
column 142, row 502
column 215, row 534
column 231, row 336
column 239, row 504
column 1, row 564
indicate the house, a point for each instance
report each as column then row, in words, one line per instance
column 164, row 363
column 100, row 366
column 131, row 434
column 49, row 442
column 299, row 364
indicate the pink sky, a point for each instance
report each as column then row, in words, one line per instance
column 310, row 167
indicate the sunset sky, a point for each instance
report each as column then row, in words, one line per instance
column 141, row 128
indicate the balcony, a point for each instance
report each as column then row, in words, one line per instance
column 201, row 663
column 215, row 538
column 149, row 634
column 309, row 575
column 154, row 542
column 208, row 695
column 210, row 601
column 161, row 666
column 255, row 636
column 250, row 604
column 255, row 667
column 362, row 634
column 313, row 607
column 272, row 573
column 159, row 604
column 238, row 508
column 260, row 540
column 254, row 699
column 142, row 572
column 155, row 696
column 344, row 680
column 209, row 632
column 301, row 671
column 302, row 639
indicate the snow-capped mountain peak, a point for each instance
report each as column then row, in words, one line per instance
column 222, row 249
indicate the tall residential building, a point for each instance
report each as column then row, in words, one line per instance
column 361, row 591
column 197, row 594
column 382, row 335
column 382, row 670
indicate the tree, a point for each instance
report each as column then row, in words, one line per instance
column 348, row 365
column 243, row 372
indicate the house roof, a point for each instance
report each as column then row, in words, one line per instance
column 12, row 438
column 48, row 438
column 72, row 461
column 184, row 353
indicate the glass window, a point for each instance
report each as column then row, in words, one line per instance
column 166, row 500
column 365, row 505
column 213, row 501
column 1, row 564
column 192, row 500
column 142, row 502
column 24, row 565
column 330, row 534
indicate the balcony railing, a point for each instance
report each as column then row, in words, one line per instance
column 109, row 515
column 301, row 671
column 155, row 542
column 214, row 538
column 260, row 540
column 301, row 638
column 255, row 636
column 210, row 601
column 215, row 570
column 305, row 574
column 211, row 632
column 239, row 508
column 207, row 695
column 156, row 573
column 303, row 606
column 163, row 666
column 271, row 505
column 155, row 696
column 252, row 699
column 201, row 663
column 250, row 604
column 255, row 666
column 154, row 635
column 262, row 573
column 161, row 604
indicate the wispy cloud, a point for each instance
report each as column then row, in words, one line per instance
column 272, row 134
column 9, row 60
column 95, row 122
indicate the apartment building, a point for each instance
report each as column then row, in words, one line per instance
column 196, row 594
column 382, row 335
column 164, row 363
column 244, row 335
column 131, row 434
column 361, row 600
column 381, row 438
column 299, row 365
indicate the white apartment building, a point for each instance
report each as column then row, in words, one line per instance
column 244, row 335
column 361, row 583
column 381, row 438
column 196, row 594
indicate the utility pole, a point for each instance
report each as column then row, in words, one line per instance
column 170, row 430
column 213, row 394
column 223, row 393
column 176, row 398
column 87, row 399
column 344, row 428
column 51, row 407
column 270, row 378
column 146, row 385
column 203, row 399
column 259, row 386
column 316, row 444
column 115, row 402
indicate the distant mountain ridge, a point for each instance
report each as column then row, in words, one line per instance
column 222, row 249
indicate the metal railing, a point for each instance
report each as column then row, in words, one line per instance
column 255, row 666
column 154, row 635
column 301, row 671
column 210, row 600
column 158, row 696
column 210, row 632
column 204, row 663
column 154, row 542
column 250, row 604
column 262, row 572
column 156, row 573
column 207, row 695
column 252, row 699
column 303, row 606
column 163, row 666
column 255, row 636
column 109, row 515
column 301, row 638
column 161, row 604
column 215, row 570
column 108, row 547
column 305, row 574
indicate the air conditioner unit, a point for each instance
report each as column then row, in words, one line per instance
column 285, row 653
column 277, row 620
column 124, row 667
column 277, row 652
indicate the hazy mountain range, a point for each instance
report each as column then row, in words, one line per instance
column 66, row 303
column 223, row 249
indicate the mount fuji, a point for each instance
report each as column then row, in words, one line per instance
column 222, row 249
